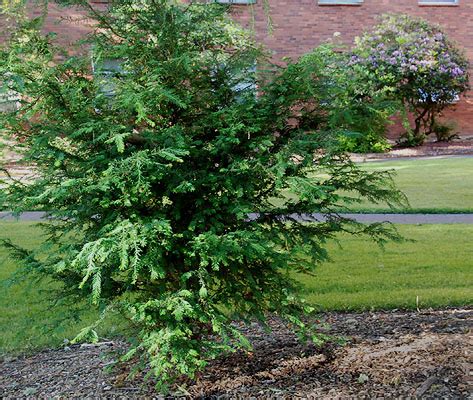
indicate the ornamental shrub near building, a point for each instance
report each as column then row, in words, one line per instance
column 176, row 195
column 418, row 64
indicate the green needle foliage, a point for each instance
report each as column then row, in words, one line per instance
column 160, row 175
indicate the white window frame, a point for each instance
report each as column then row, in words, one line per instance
column 439, row 3
column 340, row 2
column 9, row 99
column 235, row 1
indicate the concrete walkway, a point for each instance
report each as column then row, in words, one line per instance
column 405, row 218
column 26, row 216
column 364, row 218
column 361, row 160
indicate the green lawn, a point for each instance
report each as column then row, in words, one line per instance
column 438, row 185
column 438, row 268
column 27, row 317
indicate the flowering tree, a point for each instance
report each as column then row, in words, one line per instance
column 419, row 65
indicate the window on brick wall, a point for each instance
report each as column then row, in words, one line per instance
column 105, row 71
column 246, row 81
column 241, row 81
column 235, row 1
column 340, row 2
column 438, row 2
column 9, row 99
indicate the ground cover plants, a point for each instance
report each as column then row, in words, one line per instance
column 150, row 163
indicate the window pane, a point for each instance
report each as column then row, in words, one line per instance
column 438, row 2
column 340, row 2
column 9, row 99
column 105, row 70
column 236, row 1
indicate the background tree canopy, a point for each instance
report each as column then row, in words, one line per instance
column 175, row 191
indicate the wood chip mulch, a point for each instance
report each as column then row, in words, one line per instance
column 397, row 354
column 462, row 147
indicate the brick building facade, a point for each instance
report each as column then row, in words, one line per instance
column 300, row 25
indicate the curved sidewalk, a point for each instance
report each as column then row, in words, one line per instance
column 364, row 218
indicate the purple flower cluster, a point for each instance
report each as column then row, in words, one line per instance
column 457, row 72
column 414, row 54
column 417, row 52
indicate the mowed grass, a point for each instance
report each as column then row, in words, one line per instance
column 435, row 185
column 438, row 268
column 28, row 317
column 434, row 271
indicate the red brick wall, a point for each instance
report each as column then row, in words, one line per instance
column 70, row 24
column 300, row 25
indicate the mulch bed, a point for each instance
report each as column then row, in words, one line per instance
column 425, row 354
column 459, row 147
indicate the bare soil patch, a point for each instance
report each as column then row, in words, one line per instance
column 393, row 354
